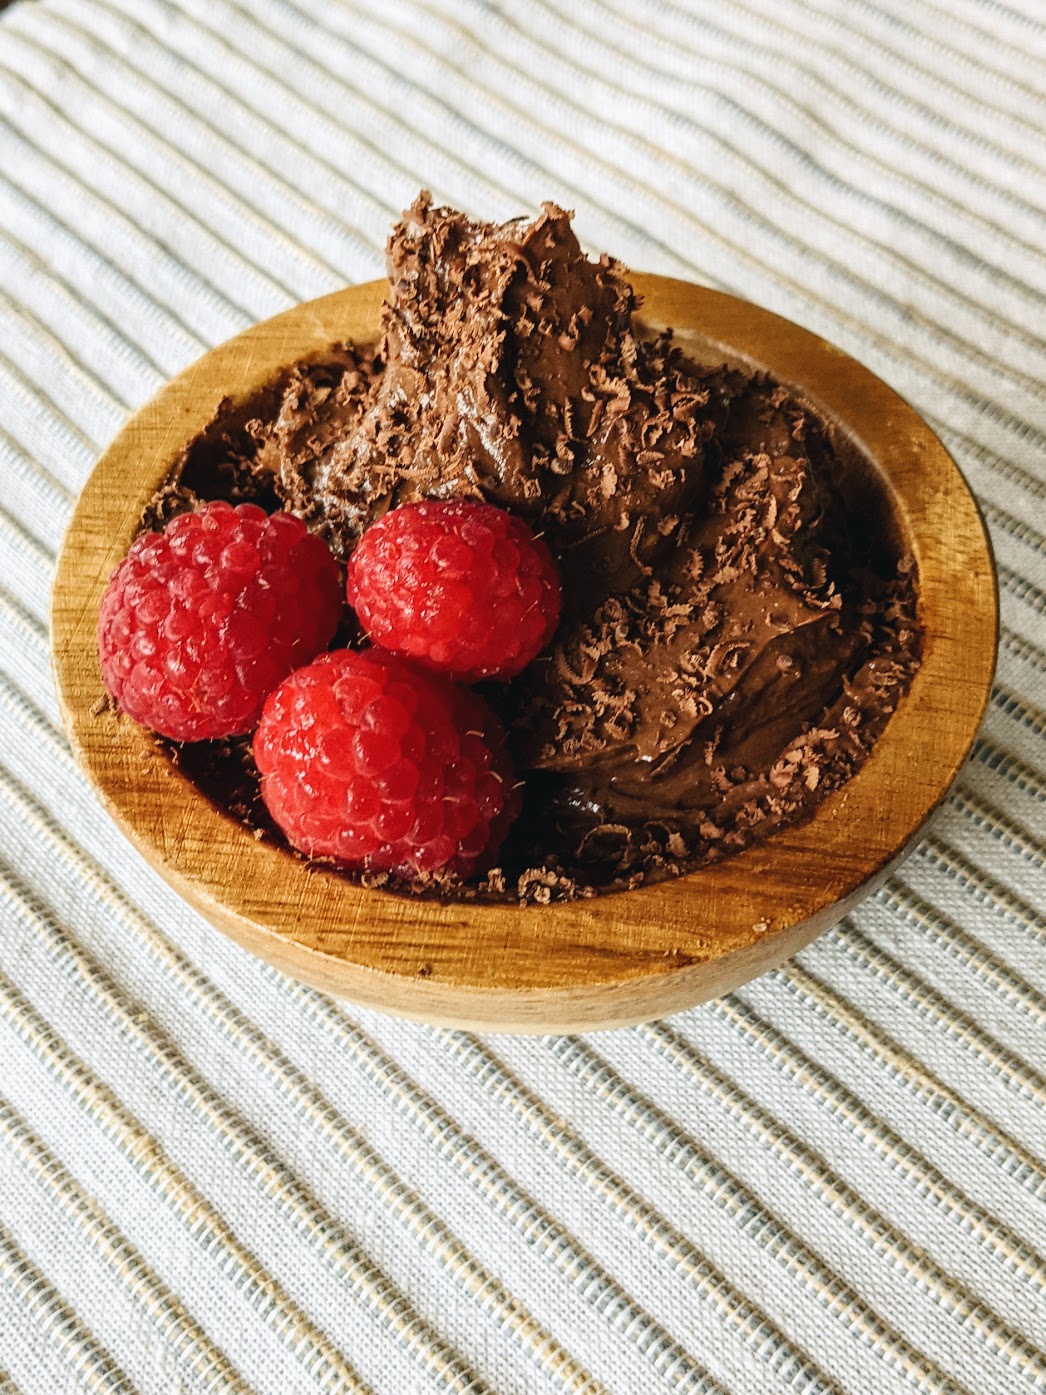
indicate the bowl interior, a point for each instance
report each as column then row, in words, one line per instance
column 618, row 958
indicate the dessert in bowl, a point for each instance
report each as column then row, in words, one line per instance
column 776, row 640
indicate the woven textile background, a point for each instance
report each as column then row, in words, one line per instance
column 212, row 1179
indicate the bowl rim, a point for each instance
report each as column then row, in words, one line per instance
column 614, row 959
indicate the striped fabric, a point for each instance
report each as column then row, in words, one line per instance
column 213, row 1179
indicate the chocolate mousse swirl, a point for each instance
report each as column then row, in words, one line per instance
column 746, row 676
column 512, row 372
column 737, row 627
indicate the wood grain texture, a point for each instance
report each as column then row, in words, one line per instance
column 619, row 959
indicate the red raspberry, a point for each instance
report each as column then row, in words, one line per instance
column 370, row 761
column 200, row 622
column 462, row 587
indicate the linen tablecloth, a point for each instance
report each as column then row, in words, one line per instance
column 212, row 1179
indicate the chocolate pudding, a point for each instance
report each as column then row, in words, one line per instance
column 739, row 617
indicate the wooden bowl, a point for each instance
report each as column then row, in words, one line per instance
column 617, row 959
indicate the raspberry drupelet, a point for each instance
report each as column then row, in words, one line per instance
column 368, row 760
column 459, row 586
column 200, row 622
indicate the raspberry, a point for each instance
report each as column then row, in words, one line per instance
column 200, row 622
column 460, row 586
column 371, row 761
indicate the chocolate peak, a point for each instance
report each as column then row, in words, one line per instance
column 513, row 372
